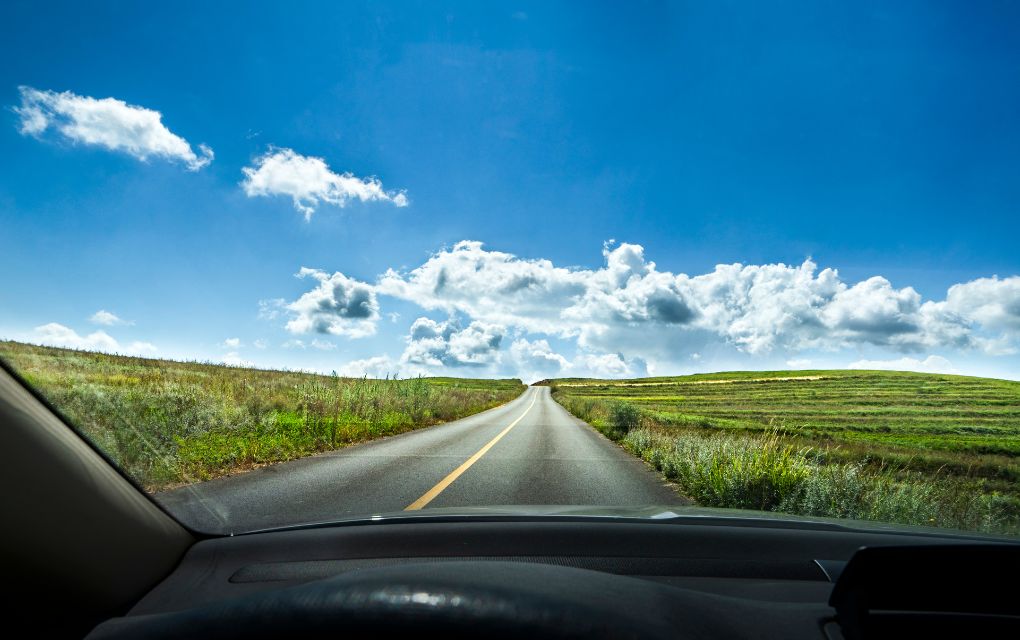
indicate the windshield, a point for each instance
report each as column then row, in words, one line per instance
column 290, row 263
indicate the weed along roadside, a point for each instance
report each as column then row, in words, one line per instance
column 168, row 423
column 924, row 449
column 910, row 448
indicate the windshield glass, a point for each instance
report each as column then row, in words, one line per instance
column 288, row 263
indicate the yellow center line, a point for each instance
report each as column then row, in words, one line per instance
column 431, row 494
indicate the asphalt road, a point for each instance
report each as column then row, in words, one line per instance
column 529, row 451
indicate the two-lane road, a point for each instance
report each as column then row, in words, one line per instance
column 529, row 451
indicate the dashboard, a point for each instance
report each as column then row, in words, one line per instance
column 570, row 577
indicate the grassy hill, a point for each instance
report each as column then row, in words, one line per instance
column 947, row 446
column 168, row 422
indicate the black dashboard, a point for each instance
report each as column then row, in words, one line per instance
column 570, row 577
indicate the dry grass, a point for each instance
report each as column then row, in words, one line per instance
column 168, row 423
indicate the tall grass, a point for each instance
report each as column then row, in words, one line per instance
column 168, row 423
column 767, row 472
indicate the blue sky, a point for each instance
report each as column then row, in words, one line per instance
column 877, row 140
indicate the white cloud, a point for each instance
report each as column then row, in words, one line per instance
column 108, row 123
column 106, row 318
column 323, row 345
column 58, row 335
column 874, row 312
column 931, row 364
column 758, row 308
column 272, row 308
column 294, row 344
column 535, row 360
column 798, row 363
column 232, row 343
column 446, row 344
column 338, row 305
column 375, row 367
column 492, row 286
column 141, row 348
column 607, row 365
column 259, row 343
column 992, row 302
column 628, row 316
column 308, row 181
column 755, row 309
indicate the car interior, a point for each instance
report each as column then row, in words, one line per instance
column 90, row 554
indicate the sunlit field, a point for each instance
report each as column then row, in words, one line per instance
column 905, row 447
column 168, row 423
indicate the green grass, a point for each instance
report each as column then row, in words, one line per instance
column 168, row 423
column 903, row 447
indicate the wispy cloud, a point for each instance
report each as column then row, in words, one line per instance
column 271, row 308
column 107, row 318
column 308, row 180
column 106, row 122
column 323, row 345
column 58, row 335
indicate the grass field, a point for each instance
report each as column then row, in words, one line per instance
column 168, row 423
column 905, row 447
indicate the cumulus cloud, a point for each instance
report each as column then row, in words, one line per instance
column 535, row 359
column 308, row 181
column 629, row 315
column 106, row 122
column 58, row 335
column 754, row 308
column 338, row 305
column 106, row 318
column 493, row 286
column 931, row 364
column 992, row 302
column 232, row 343
column 446, row 344
column 375, row 367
